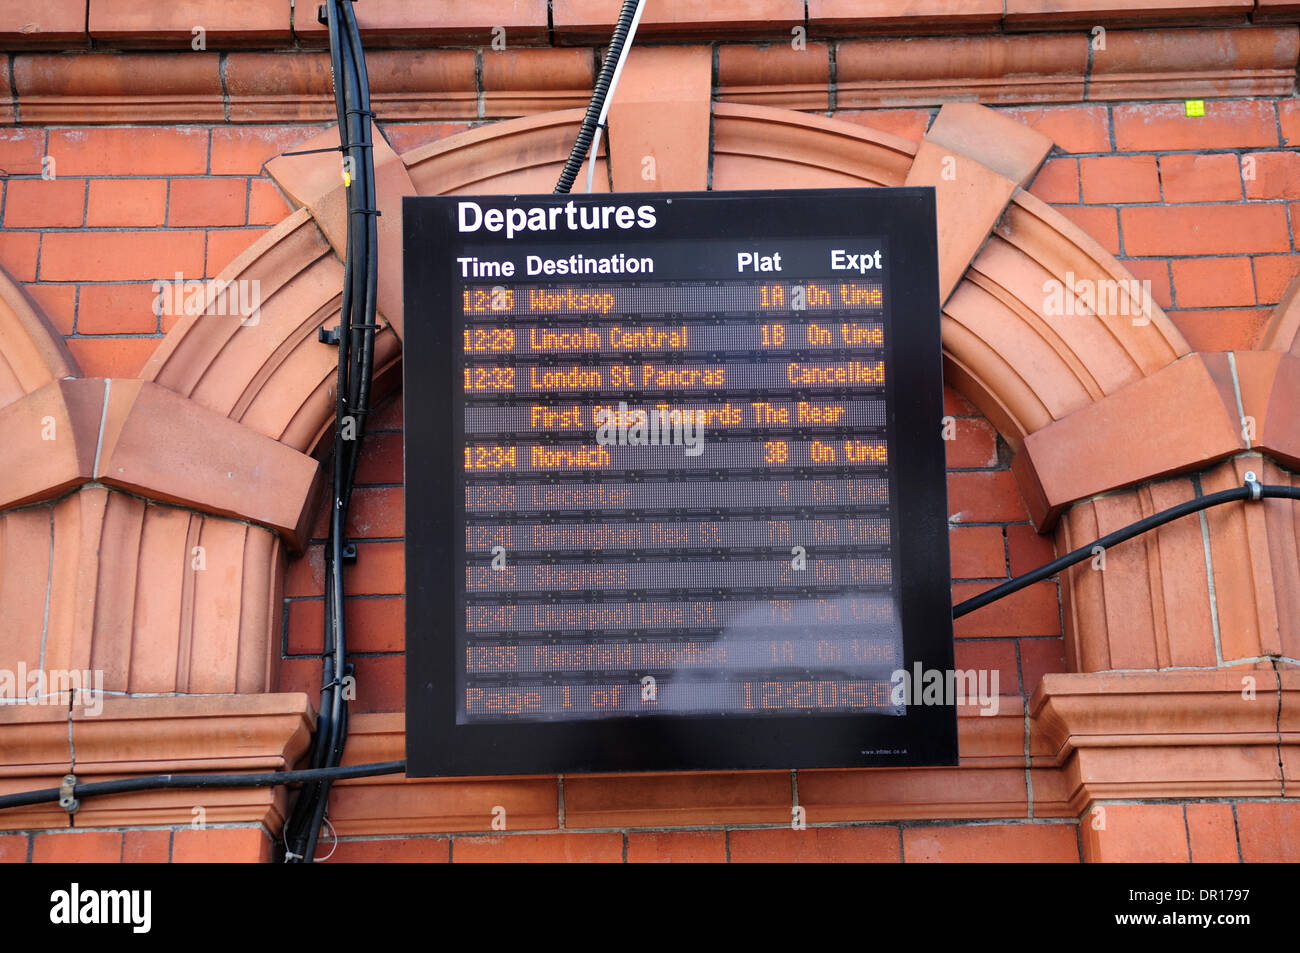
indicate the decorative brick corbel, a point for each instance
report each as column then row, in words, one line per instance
column 1186, row 416
column 316, row 181
column 660, row 112
column 145, row 439
column 975, row 159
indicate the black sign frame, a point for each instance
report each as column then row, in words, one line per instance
column 435, row 745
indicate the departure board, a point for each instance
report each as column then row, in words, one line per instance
column 675, row 487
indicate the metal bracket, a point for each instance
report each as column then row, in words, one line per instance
column 66, row 789
column 328, row 336
column 1253, row 484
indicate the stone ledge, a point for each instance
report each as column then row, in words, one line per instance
column 1056, row 67
column 119, row 87
column 236, row 24
column 889, row 16
column 138, row 736
column 990, row 69
column 401, row 23
column 231, row 23
column 1104, row 736
column 1171, row 734
column 442, row 83
column 775, row 76
column 592, row 21
column 51, row 23
column 1053, row 14
column 989, row 783
column 1183, row 64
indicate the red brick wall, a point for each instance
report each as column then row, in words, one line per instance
column 175, row 845
column 1205, row 209
column 1252, row 831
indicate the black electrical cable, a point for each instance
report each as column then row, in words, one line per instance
column 299, row 822
column 161, row 781
column 305, row 807
column 301, row 847
column 1250, row 491
column 355, row 340
column 368, row 257
column 363, row 256
column 598, row 94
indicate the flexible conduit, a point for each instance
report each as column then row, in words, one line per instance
column 596, row 109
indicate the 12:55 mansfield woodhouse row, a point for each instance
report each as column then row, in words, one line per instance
column 1118, row 201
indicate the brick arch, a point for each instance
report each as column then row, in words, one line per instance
column 165, row 504
column 273, row 374
column 1022, row 367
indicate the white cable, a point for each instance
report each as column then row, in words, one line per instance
column 609, row 96
column 333, row 847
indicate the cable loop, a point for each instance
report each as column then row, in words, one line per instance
column 334, row 845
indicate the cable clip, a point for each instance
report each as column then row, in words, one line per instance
column 1255, row 487
column 66, row 789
